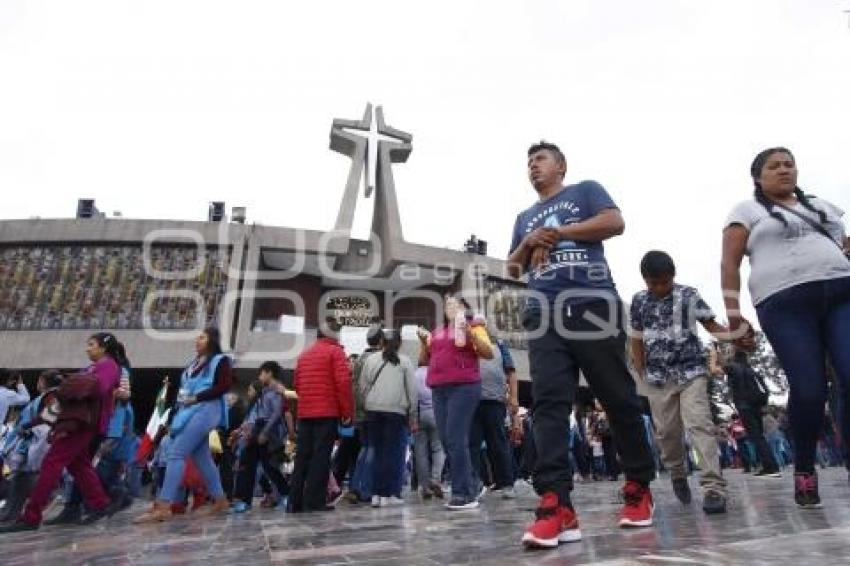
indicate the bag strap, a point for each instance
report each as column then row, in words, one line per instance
column 406, row 392
column 816, row 225
column 374, row 381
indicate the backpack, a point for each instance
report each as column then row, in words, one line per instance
column 360, row 393
column 79, row 402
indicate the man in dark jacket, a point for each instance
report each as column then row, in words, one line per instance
column 325, row 400
column 750, row 396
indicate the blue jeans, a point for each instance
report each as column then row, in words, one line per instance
column 193, row 442
column 777, row 445
column 804, row 324
column 454, row 409
column 385, row 432
column 361, row 481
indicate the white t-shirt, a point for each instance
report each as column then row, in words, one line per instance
column 782, row 256
column 597, row 449
column 9, row 398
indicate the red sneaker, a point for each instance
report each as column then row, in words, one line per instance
column 571, row 532
column 553, row 524
column 638, row 508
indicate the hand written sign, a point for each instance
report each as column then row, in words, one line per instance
column 351, row 311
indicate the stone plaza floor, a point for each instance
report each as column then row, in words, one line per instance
column 763, row 526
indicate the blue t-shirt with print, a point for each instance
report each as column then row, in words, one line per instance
column 574, row 266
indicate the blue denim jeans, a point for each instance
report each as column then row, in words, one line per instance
column 805, row 324
column 385, row 432
column 361, row 481
column 454, row 409
column 193, row 442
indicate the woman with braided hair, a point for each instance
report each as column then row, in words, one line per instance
column 86, row 406
column 800, row 286
column 200, row 408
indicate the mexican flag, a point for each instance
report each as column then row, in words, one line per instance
column 158, row 419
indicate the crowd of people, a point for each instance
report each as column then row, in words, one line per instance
column 377, row 427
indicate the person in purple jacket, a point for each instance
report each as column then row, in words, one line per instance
column 455, row 381
column 73, row 443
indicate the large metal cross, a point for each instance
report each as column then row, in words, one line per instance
column 376, row 131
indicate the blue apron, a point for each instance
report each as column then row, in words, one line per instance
column 190, row 385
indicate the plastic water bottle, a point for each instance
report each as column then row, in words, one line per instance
column 460, row 329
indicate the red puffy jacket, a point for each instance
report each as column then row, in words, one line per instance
column 323, row 382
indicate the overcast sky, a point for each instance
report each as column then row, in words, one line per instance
column 155, row 108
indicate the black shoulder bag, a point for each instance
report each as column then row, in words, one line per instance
column 816, row 226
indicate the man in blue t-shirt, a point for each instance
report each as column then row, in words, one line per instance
column 575, row 322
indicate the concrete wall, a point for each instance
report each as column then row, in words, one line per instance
column 257, row 347
column 66, row 231
column 67, row 349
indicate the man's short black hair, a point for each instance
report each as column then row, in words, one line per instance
column 273, row 368
column 544, row 145
column 657, row 264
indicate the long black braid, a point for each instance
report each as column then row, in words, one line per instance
column 755, row 171
column 114, row 348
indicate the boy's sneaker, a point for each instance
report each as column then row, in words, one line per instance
column 376, row 501
column 70, row 515
column 460, row 503
column 553, row 523
column 482, row 492
column 638, row 508
column 352, row 497
column 95, row 515
column 768, row 474
column 806, row 491
column 125, row 503
column 239, row 507
column 334, row 498
column 713, row 502
column 18, row 526
column 682, row 490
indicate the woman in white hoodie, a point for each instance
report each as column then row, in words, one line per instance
column 388, row 385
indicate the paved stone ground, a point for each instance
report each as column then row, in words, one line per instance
column 763, row 527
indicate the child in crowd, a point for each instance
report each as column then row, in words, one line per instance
column 670, row 357
column 598, row 457
column 26, row 444
column 263, row 433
